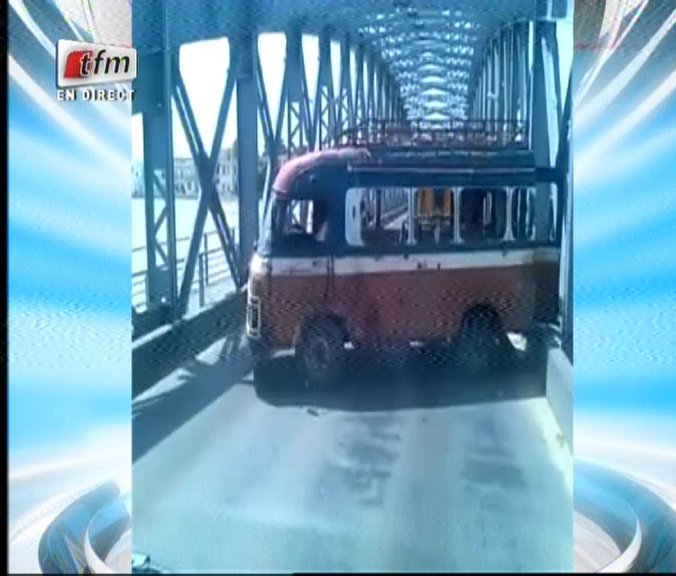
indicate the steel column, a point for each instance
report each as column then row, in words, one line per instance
column 505, row 74
column 324, row 122
column 526, row 70
column 206, row 166
column 169, row 192
column 502, row 69
column 345, row 107
column 298, row 118
column 495, row 90
column 564, row 161
column 371, row 102
column 380, row 68
column 485, row 85
column 247, row 148
column 544, row 128
column 360, row 99
column 509, row 60
column 152, row 159
column 517, row 76
column 271, row 141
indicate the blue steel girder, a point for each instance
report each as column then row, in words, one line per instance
column 501, row 87
column 263, row 107
column 324, row 122
column 360, row 92
column 506, row 86
column 247, row 147
column 270, row 135
column 435, row 23
column 206, row 166
column 495, row 78
column 544, row 112
column 380, row 85
column 371, row 101
column 406, row 61
column 344, row 103
column 158, row 165
column 502, row 75
column 564, row 162
column 295, row 94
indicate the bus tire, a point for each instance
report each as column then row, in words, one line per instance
column 320, row 352
column 260, row 360
column 538, row 343
column 262, row 376
column 481, row 342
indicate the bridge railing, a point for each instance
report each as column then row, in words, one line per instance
column 430, row 134
column 212, row 269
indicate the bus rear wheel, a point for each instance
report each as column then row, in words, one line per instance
column 481, row 342
column 320, row 353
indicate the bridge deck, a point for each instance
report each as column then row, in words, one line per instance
column 411, row 469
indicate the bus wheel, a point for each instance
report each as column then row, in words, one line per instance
column 320, row 353
column 480, row 342
column 262, row 376
column 538, row 344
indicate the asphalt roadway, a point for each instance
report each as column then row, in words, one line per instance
column 399, row 469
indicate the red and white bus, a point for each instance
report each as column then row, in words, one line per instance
column 384, row 246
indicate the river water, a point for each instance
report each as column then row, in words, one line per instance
column 186, row 211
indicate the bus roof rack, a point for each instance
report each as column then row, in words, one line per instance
column 429, row 135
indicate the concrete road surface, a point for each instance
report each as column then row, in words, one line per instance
column 397, row 470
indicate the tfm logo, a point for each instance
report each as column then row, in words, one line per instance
column 83, row 64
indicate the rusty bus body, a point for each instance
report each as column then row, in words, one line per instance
column 385, row 250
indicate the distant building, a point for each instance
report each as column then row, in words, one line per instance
column 137, row 179
column 225, row 178
column 186, row 180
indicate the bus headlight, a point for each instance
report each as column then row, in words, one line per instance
column 253, row 317
column 259, row 265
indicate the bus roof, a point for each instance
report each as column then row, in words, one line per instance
column 293, row 168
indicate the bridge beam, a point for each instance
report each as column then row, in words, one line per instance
column 247, row 146
column 503, row 86
column 205, row 165
column 519, row 84
column 295, row 93
column 380, row 89
column 544, row 116
column 389, row 96
column 495, row 78
column 370, row 70
column 345, row 106
column 158, row 169
column 360, row 96
column 325, row 103
column 485, row 85
column 154, row 172
column 564, row 161
column 269, row 134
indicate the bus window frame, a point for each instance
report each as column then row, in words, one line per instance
column 506, row 243
column 336, row 181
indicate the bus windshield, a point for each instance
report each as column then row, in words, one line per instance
column 295, row 223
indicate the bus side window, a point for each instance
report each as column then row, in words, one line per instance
column 376, row 217
column 471, row 215
column 483, row 214
column 433, row 216
column 523, row 208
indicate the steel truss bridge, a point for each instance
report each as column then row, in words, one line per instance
column 431, row 60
